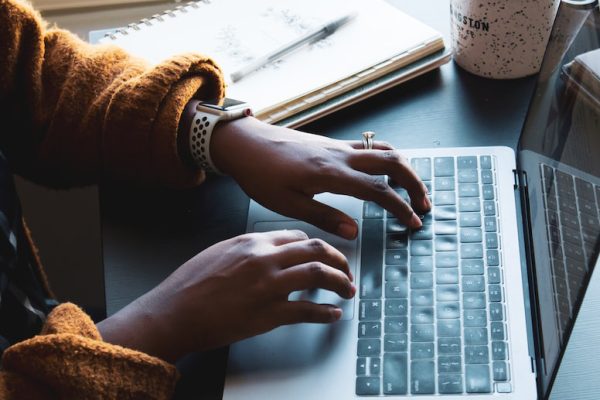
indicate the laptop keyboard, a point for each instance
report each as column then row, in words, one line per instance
column 432, row 308
column 571, row 209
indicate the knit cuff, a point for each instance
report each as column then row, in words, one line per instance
column 72, row 361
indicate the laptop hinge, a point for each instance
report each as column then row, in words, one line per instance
column 520, row 179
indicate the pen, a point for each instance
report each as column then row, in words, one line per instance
column 311, row 37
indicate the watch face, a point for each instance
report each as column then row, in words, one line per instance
column 227, row 104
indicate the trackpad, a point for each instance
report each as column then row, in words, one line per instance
column 347, row 247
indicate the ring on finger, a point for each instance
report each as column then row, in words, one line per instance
column 367, row 140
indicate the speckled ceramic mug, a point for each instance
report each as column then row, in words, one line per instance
column 501, row 39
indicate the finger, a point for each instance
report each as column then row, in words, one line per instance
column 314, row 275
column 393, row 164
column 372, row 188
column 377, row 145
column 305, row 251
column 283, row 236
column 327, row 218
column 294, row 312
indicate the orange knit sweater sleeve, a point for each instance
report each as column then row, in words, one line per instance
column 72, row 113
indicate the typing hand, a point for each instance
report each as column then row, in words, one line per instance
column 235, row 289
column 283, row 169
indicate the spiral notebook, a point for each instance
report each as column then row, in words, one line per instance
column 380, row 47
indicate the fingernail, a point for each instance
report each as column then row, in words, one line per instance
column 426, row 203
column 336, row 313
column 415, row 221
column 347, row 230
column 352, row 291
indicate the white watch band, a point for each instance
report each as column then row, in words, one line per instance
column 201, row 131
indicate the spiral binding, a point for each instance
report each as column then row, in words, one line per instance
column 172, row 13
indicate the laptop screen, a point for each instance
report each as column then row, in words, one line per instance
column 559, row 154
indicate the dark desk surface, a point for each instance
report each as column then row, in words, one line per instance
column 146, row 235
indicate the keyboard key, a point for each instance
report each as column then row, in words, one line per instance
column 490, row 224
column 444, row 213
column 497, row 329
column 496, row 312
column 447, row 346
column 369, row 329
column 395, row 373
column 446, row 243
column 468, row 190
column 473, row 283
column 449, row 364
column 485, row 162
column 494, row 275
column 495, row 293
column 426, row 219
column 395, row 342
column 448, row 328
column 421, row 263
column 369, row 347
column 395, row 325
column 447, row 292
column 446, row 259
column 421, row 298
column 425, row 233
column 475, row 318
column 471, row 250
column 489, row 208
column 396, row 289
column 444, row 198
column 374, row 366
column 487, row 177
column 499, row 350
column 584, row 189
column 477, row 355
column 488, row 192
column 477, row 379
column 396, row 273
column 474, row 300
column 421, row 333
column 448, row 310
column 396, row 257
column 476, row 336
column 421, row 280
column 421, row 248
column 471, row 267
column 395, row 226
column 421, row 315
column 467, row 162
column 370, row 310
column 493, row 258
column 367, row 386
column 361, row 366
column 469, row 204
column 422, row 167
column 468, row 176
column 372, row 210
column 491, row 241
column 443, row 183
column 500, row 370
column 446, row 275
column 470, row 219
column 371, row 259
column 471, row 235
column 450, row 383
column 420, row 351
column 396, row 308
column 396, row 241
column 422, row 377
column 443, row 166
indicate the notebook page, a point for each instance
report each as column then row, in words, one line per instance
column 234, row 33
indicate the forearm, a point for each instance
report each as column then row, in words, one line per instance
column 75, row 113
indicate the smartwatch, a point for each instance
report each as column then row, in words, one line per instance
column 207, row 116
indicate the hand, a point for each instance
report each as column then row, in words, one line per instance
column 283, row 169
column 233, row 290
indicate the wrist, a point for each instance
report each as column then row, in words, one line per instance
column 228, row 139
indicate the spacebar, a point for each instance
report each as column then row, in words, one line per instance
column 371, row 259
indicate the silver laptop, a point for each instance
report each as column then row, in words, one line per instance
column 480, row 302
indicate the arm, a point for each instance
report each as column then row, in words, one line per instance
column 74, row 114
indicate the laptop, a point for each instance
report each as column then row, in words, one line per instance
column 481, row 301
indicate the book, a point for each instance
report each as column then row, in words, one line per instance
column 381, row 46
